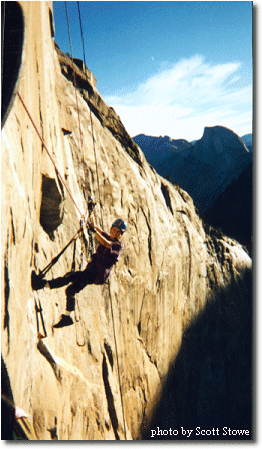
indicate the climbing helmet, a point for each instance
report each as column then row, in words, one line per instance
column 120, row 224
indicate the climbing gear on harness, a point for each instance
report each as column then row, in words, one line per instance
column 65, row 320
column 87, row 246
column 120, row 224
column 38, row 309
column 91, row 227
column 91, row 204
column 91, row 248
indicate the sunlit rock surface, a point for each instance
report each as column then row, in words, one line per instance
column 68, row 382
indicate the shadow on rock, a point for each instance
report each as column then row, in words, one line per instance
column 208, row 389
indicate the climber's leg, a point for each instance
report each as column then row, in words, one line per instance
column 38, row 283
column 65, row 320
column 86, row 277
column 61, row 281
column 82, row 278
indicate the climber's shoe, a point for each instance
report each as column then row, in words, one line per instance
column 36, row 282
column 65, row 320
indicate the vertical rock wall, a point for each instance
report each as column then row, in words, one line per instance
column 68, row 382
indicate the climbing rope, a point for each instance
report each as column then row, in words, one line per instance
column 81, row 31
column 56, row 258
column 83, row 216
column 83, row 219
column 74, row 78
column 98, row 186
column 76, row 99
column 83, row 247
column 117, row 362
column 74, row 75
column 49, row 154
column 98, row 183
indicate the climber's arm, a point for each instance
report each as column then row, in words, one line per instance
column 93, row 223
column 101, row 239
column 99, row 234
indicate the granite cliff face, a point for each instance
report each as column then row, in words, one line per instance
column 71, row 382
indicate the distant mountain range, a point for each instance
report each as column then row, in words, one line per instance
column 157, row 149
column 203, row 168
column 248, row 140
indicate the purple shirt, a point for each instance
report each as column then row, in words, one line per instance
column 105, row 258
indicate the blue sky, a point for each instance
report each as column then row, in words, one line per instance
column 167, row 68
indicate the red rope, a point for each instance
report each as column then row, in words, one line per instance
column 49, row 154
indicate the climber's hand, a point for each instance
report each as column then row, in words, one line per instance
column 91, row 205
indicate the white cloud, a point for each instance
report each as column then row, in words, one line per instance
column 184, row 98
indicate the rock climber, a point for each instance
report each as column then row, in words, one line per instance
column 97, row 271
